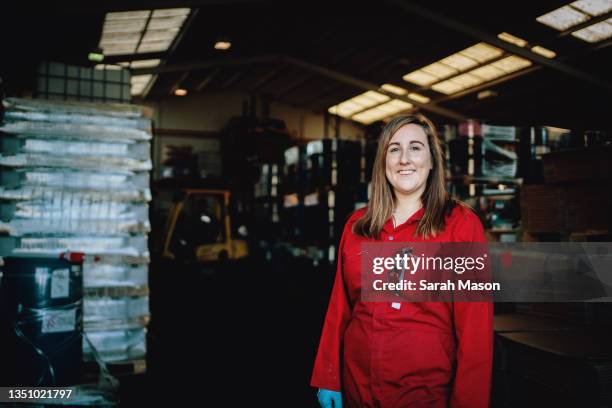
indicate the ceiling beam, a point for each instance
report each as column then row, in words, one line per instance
column 206, row 80
column 471, row 31
column 371, row 86
column 318, row 69
column 268, row 76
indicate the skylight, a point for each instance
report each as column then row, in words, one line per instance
column 545, row 52
column 581, row 11
column 563, row 18
column 593, row 7
column 519, row 42
column 141, row 31
column 595, row 32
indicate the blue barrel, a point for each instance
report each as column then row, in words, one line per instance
column 41, row 316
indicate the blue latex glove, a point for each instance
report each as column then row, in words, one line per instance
column 329, row 399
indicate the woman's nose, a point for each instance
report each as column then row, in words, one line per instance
column 405, row 156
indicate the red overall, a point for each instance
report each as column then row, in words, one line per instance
column 427, row 354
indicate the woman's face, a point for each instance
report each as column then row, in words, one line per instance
column 408, row 161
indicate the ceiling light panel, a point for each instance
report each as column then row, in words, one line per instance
column 149, row 63
column 158, row 35
column 459, row 62
column 519, row 42
column 400, row 105
column 336, row 110
column 378, row 97
column 120, row 37
column 439, row 70
column 545, row 52
column 596, row 32
column 482, row 52
column 511, row 64
column 171, row 12
column 394, row 89
column 488, row 72
column 127, row 15
column 563, row 18
column 593, row 7
column 467, row 80
column 113, row 49
column 447, row 87
column 164, row 23
column 369, row 116
column 139, row 83
column 418, row 97
column 123, row 31
column 124, row 26
column 420, row 78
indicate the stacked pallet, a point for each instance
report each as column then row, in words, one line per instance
column 74, row 176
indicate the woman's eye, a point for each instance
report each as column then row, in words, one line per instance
column 415, row 148
column 394, row 149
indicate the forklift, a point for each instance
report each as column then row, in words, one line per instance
column 199, row 230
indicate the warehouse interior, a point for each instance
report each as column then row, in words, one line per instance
column 204, row 155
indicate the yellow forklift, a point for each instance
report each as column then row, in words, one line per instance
column 199, row 229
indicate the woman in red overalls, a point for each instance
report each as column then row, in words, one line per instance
column 421, row 354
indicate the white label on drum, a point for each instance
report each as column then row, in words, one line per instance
column 60, row 283
column 59, row 321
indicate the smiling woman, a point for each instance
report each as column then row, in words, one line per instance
column 444, row 348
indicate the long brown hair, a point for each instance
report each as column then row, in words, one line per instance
column 435, row 199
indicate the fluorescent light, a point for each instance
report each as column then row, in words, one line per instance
column 400, row 105
column 418, row 97
column 596, row 32
column 487, row 72
column 127, row 15
column 153, row 46
column 420, row 78
column 160, row 35
column 350, row 105
column 375, row 96
column 127, row 26
column 394, row 89
column 148, row 63
column 365, row 118
column 459, row 61
column 482, row 52
column 337, row 110
column 139, row 83
column 562, row 18
column 511, row 64
column 439, row 70
column 107, row 67
column 121, row 37
column 467, row 80
column 346, row 108
column 447, row 87
column 545, row 52
column 593, row 7
column 180, row 92
column 369, row 98
column 222, row 45
column 488, row 93
column 119, row 49
column 519, row 42
column 171, row 12
column 382, row 111
column 123, row 31
column 163, row 23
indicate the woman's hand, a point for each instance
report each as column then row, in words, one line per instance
column 329, row 399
